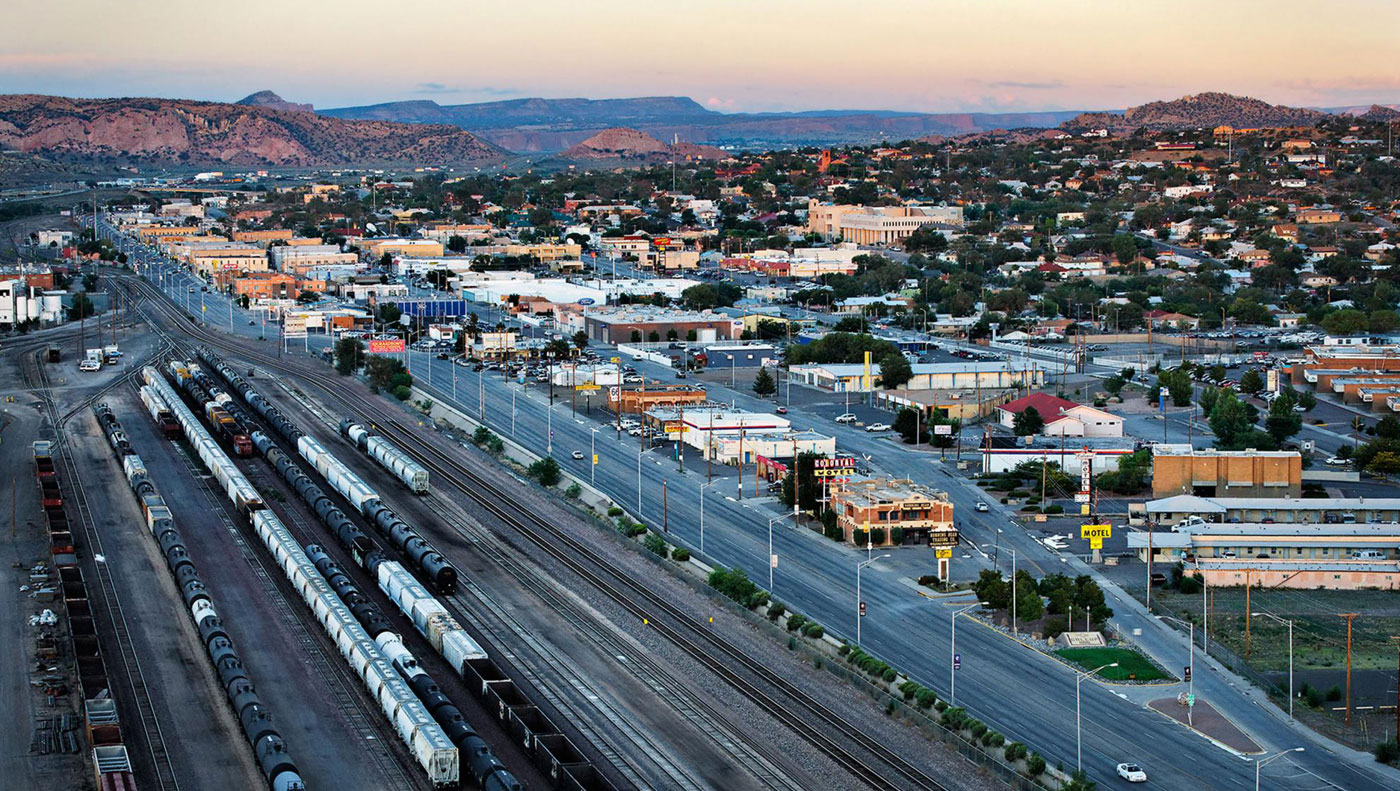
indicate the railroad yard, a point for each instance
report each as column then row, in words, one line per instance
column 235, row 571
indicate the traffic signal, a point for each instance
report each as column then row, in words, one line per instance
column 1187, row 674
column 862, row 609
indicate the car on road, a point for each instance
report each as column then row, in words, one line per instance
column 576, row 455
column 1132, row 773
column 1336, row 461
column 878, row 427
column 782, row 410
column 982, row 507
column 1300, row 409
column 848, row 417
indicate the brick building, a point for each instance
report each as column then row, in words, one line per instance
column 1179, row 469
column 886, row 507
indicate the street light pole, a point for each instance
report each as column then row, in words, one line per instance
column 1078, row 737
column 1289, row 624
column 592, row 454
column 1258, row 765
column 859, row 614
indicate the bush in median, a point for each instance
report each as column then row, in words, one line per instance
column 795, row 621
column 680, row 555
column 735, row 584
column 655, row 543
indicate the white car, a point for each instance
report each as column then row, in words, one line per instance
column 878, row 427
column 89, row 366
column 1132, row 773
column 848, row 417
column 576, row 455
column 1336, row 461
column 983, row 507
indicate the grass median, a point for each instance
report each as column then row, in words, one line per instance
column 1132, row 666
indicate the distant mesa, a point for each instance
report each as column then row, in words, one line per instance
column 631, row 145
column 179, row 133
column 1379, row 113
column 1203, row 110
column 272, row 101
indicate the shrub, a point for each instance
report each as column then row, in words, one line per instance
column 680, row 554
column 573, row 491
column 844, row 649
column 929, row 580
column 897, row 536
column 890, row 674
column 954, row 719
column 496, row 445
column 735, row 584
column 1054, row 627
column 481, row 435
column 614, row 511
column 814, row 630
column 877, row 536
column 834, row 532
column 940, row 705
column 1189, row 585
column 925, row 698
column 1035, row 765
column 993, row 739
column 1313, row 697
column 1054, row 509
column 978, row 728
column 546, row 471
column 776, row 610
column 655, row 543
column 1029, row 508
column 1334, row 694
column 1387, row 752
column 1010, row 753
column 908, row 689
column 757, row 600
column 402, row 392
column 795, row 621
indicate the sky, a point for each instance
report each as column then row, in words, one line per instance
column 730, row 55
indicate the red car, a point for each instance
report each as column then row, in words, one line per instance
column 782, row 410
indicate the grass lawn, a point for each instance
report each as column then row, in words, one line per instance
column 1131, row 664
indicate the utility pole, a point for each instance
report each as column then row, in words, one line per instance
column 1396, row 733
column 1350, row 616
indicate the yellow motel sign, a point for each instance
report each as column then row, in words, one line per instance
column 1096, row 531
column 943, row 552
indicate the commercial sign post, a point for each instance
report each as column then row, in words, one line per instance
column 386, row 346
column 1096, row 534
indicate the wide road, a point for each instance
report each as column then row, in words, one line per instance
column 1016, row 690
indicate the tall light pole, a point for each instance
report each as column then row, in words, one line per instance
column 1013, row 586
column 772, row 559
column 1289, row 624
column 1078, row 738
column 592, row 453
column 953, row 659
column 860, row 611
column 1258, row 765
column 1190, row 664
column 702, row 514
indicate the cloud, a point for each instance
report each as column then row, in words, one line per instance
column 435, row 87
column 716, row 103
column 1028, row 86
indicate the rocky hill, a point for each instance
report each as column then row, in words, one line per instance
column 1379, row 113
column 1203, row 110
column 272, row 101
column 178, row 133
column 631, row 146
column 543, row 125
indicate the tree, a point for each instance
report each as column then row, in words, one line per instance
column 1345, row 322
column 839, row 347
column 389, row 313
column 581, row 339
column 1124, row 247
column 1282, row 422
column 763, row 384
column 905, row 424
column 1207, row 399
column 1307, row 400
column 82, row 307
column 1388, row 428
column 457, row 244
column 1029, row 606
column 349, row 355
column 636, row 336
column 1027, row 422
column 993, row 590
column 850, row 324
column 1114, row 384
column 1251, row 383
column 895, row 371
column 1229, row 420
column 383, row 372
column 711, row 295
column 307, row 297
column 654, row 336
column 804, row 466
column 1130, row 476
column 546, row 471
column 1384, row 463
column 1178, row 384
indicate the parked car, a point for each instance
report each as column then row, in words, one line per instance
column 878, row 427
column 848, row 417
column 1336, row 461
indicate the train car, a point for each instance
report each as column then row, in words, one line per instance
column 400, row 464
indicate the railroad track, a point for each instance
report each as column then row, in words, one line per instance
column 149, row 722
column 825, row 730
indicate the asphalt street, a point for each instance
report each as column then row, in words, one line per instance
column 1019, row 691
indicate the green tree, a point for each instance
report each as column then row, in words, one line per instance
column 546, row 471
column 1345, row 322
column 457, row 244
column 993, row 590
column 1029, row 606
column 1384, row 463
column 1207, row 399
column 1027, row 422
column 1251, row 383
column 1229, row 420
column 383, row 371
column 840, row 347
column 907, row 421
column 389, row 313
column 706, row 296
column 349, row 355
column 82, row 307
column 804, row 467
column 1282, row 422
column 1124, row 247
column 895, row 371
column 581, row 339
column 763, row 384
column 654, row 336
column 850, row 324
column 1388, row 428
column 1307, row 400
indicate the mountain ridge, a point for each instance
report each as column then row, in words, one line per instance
column 179, row 132
column 1196, row 111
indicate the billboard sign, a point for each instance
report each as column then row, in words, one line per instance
column 386, row 346
column 833, row 468
column 943, row 430
column 294, row 325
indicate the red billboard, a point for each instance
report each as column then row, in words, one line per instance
column 386, row 346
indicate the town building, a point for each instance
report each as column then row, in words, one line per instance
column 887, row 512
column 636, row 323
column 271, row 285
column 1001, row 453
column 634, row 399
column 988, row 375
column 1181, row 469
column 876, row 225
column 263, row 237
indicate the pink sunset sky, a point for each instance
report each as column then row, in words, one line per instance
column 731, row 55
